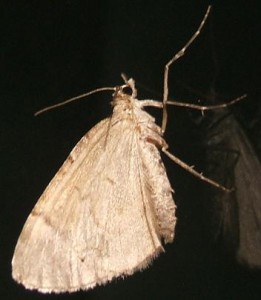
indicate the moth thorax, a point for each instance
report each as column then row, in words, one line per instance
column 122, row 101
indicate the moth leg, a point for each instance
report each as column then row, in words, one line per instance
column 193, row 171
column 170, row 62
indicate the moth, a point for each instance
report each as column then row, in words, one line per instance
column 108, row 210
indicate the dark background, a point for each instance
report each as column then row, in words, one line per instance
column 53, row 50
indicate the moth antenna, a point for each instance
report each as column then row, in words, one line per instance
column 170, row 62
column 74, row 99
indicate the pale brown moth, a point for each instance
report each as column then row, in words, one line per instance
column 111, row 191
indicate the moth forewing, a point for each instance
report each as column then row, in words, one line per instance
column 103, row 197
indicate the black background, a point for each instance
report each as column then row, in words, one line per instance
column 53, row 50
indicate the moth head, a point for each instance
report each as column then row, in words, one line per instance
column 126, row 93
column 122, row 97
column 129, row 85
